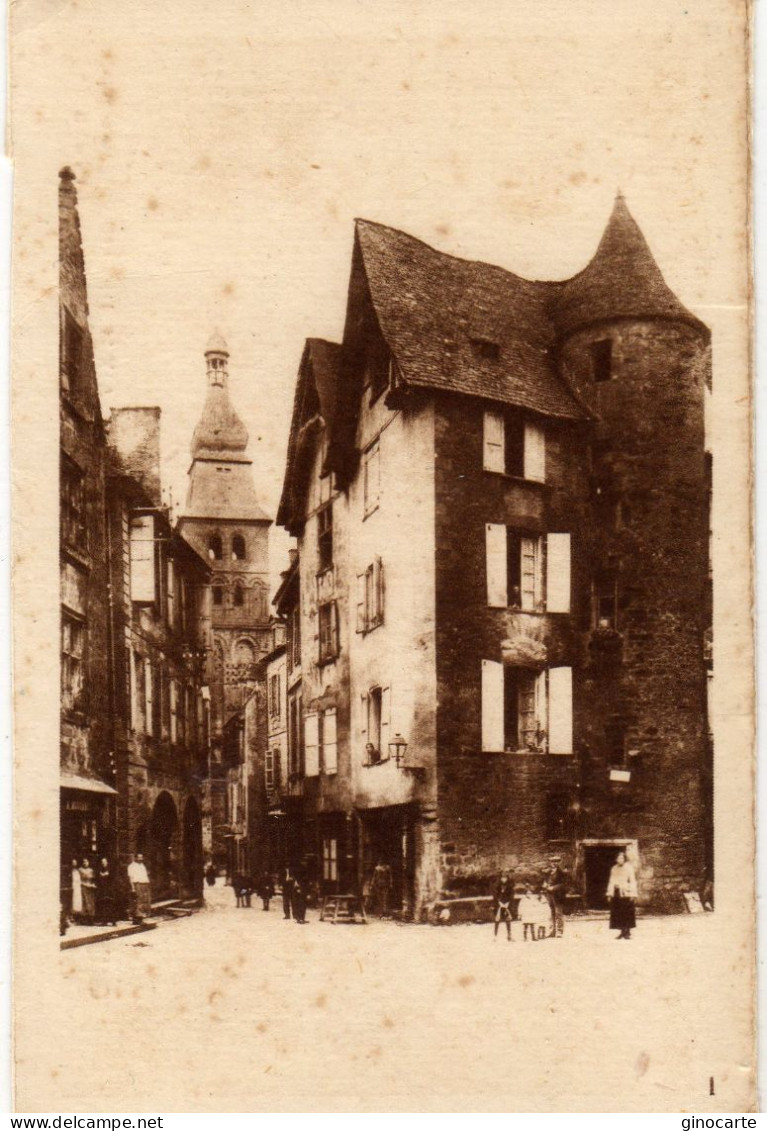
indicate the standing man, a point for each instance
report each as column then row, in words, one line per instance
column 381, row 887
column 288, row 884
column 141, row 894
column 556, row 889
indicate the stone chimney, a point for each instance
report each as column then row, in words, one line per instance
column 134, row 440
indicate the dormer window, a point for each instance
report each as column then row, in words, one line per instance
column 602, row 360
column 486, row 349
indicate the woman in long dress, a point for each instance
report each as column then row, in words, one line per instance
column 88, row 884
column 622, row 893
column 76, row 908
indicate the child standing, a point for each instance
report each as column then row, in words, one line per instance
column 544, row 918
column 529, row 913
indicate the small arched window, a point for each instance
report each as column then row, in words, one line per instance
column 239, row 595
column 218, row 595
column 215, row 549
column 238, row 548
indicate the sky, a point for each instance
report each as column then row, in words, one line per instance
column 223, row 151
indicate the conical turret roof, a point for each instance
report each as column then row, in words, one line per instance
column 621, row 281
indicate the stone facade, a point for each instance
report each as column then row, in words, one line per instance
column 87, row 765
column 537, row 456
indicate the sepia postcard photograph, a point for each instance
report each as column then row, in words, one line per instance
column 382, row 557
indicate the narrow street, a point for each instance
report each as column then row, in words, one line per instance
column 238, row 1009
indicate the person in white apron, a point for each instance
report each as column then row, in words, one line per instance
column 77, row 892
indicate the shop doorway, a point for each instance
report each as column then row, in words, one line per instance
column 388, row 859
column 598, row 858
column 162, row 864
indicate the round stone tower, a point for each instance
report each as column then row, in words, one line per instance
column 641, row 362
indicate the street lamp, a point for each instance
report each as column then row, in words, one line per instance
column 398, row 748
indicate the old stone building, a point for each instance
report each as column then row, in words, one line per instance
column 161, row 637
column 226, row 524
column 499, row 491
column 87, row 765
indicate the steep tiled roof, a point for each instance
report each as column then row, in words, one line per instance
column 621, row 281
column 430, row 306
column 219, row 429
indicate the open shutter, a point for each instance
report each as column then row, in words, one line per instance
column 558, row 573
column 148, row 698
column 535, row 452
column 334, row 646
column 560, row 710
column 311, row 745
column 171, row 593
column 379, row 590
column 329, row 742
column 493, row 446
column 385, row 721
column 361, row 619
column 492, row 706
column 364, row 724
column 542, row 705
column 496, row 565
column 142, row 583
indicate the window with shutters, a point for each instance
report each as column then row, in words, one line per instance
column 71, row 339
column 527, row 571
column 142, row 559
column 370, row 597
column 328, row 741
column 72, row 662
column 293, row 638
column 376, row 725
column 294, row 736
column 524, row 710
column 330, row 859
column 72, row 505
column 514, row 446
column 325, row 536
column 327, row 618
column 371, row 478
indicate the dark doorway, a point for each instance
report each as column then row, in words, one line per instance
column 192, row 849
column 598, row 859
column 162, row 865
column 388, row 842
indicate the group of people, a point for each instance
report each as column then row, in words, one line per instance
column 541, row 909
column 245, row 887
column 94, row 898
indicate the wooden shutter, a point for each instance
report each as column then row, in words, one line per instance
column 148, row 697
column 329, row 742
column 171, row 594
column 542, row 703
column 173, row 711
column 558, row 573
column 142, row 579
column 493, row 447
column 361, row 614
column 311, row 745
column 385, row 721
column 560, row 710
column 535, row 452
column 379, row 589
column 496, row 565
column 492, row 706
column 334, row 645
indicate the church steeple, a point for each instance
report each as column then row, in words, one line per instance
column 220, row 429
column 217, row 359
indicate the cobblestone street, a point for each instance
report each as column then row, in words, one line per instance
column 252, row 1012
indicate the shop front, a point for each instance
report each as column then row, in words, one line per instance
column 87, row 827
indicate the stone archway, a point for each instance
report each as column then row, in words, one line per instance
column 163, row 831
column 192, row 849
